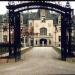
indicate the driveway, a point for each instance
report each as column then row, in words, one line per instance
column 38, row 61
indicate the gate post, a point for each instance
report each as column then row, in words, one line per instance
column 63, row 38
column 69, row 34
column 11, row 24
column 17, row 40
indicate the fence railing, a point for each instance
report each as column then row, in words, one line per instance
column 4, row 48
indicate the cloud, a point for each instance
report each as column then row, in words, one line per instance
column 3, row 9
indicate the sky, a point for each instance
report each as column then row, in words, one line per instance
column 3, row 5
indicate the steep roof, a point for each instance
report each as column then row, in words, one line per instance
column 25, row 18
column 34, row 16
column 49, row 16
column 1, row 18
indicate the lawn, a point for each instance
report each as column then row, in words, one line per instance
column 57, row 49
column 3, row 50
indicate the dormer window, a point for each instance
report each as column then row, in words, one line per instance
column 43, row 19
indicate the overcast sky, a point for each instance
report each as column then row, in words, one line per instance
column 3, row 4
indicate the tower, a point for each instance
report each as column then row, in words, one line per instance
column 42, row 13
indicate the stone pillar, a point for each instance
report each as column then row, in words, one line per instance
column 24, row 42
column 29, row 41
column 43, row 43
column 48, row 42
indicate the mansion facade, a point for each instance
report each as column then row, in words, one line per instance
column 46, row 29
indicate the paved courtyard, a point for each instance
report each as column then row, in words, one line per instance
column 38, row 61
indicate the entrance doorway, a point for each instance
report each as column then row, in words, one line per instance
column 43, row 42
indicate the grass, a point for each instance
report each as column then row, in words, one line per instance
column 70, row 60
column 3, row 50
column 24, row 51
column 57, row 49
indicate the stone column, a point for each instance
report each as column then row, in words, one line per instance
column 24, row 42
column 47, row 42
column 43, row 43
column 29, row 41
column 34, row 41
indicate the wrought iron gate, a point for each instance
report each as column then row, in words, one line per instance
column 14, row 22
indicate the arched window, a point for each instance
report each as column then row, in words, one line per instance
column 43, row 31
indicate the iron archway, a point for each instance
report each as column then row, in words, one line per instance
column 14, row 21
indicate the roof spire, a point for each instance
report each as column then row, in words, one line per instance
column 68, row 5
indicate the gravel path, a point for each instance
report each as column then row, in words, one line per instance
column 38, row 61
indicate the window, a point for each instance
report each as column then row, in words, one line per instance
column 5, row 28
column 59, row 45
column 22, row 40
column 49, row 41
column 30, row 23
column 5, row 38
column 43, row 19
column 5, row 20
column 26, row 40
column 21, row 29
column 59, row 38
column 60, row 28
column 36, row 41
column 43, row 31
column 60, row 21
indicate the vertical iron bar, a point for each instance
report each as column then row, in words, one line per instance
column 69, row 36
column 17, row 41
column 63, row 38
